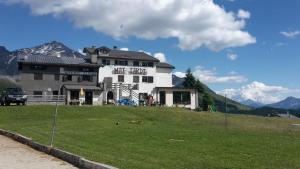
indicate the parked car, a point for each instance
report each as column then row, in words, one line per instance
column 13, row 95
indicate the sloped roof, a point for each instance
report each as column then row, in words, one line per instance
column 164, row 65
column 120, row 54
column 50, row 60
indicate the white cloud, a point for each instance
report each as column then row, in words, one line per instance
column 232, row 56
column 124, row 49
column 179, row 74
column 161, row 57
column 259, row 92
column 290, row 34
column 211, row 76
column 243, row 14
column 195, row 23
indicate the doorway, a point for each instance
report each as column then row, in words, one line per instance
column 110, row 97
column 162, row 98
column 89, row 97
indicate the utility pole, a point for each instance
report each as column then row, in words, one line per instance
column 225, row 118
column 54, row 117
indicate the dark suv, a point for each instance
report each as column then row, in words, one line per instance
column 13, row 95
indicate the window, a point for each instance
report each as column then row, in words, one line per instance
column 37, row 94
column 38, row 67
column 86, row 69
column 136, row 63
column 147, row 64
column 67, row 78
column 55, row 93
column 56, row 77
column 105, row 62
column 87, row 78
column 181, row 97
column 136, row 79
column 147, row 79
column 120, row 78
column 150, row 64
column 38, row 76
column 121, row 62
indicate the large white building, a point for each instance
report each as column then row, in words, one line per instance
column 139, row 77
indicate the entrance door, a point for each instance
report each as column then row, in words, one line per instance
column 110, row 97
column 89, row 97
column 162, row 98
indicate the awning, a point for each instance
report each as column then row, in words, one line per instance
column 78, row 87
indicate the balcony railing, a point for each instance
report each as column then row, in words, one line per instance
column 46, row 98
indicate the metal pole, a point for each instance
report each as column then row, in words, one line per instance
column 54, row 118
column 226, row 121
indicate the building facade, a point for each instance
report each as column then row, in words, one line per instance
column 139, row 77
column 104, row 76
column 43, row 78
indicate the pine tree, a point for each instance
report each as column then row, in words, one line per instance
column 189, row 80
column 207, row 101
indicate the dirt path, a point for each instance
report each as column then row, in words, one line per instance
column 14, row 155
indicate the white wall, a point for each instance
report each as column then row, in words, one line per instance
column 162, row 77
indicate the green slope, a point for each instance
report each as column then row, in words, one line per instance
column 232, row 106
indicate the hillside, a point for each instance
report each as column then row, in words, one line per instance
column 156, row 137
column 232, row 106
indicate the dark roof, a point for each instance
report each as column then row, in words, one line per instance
column 51, row 60
column 132, row 55
column 120, row 54
column 164, row 65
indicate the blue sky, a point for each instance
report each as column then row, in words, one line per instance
column 265, row 70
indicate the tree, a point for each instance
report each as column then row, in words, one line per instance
column 189, row 80
column 207, row 101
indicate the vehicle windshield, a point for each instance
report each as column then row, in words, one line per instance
column 14, row 91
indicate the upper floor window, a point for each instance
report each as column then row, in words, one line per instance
column 38, row 76
column 105, row 62
column 147, row 64
column 87, row 78
column 56, row 77
column 147, row 79
column 136, row 63
column 120, row 78
column 121, row 62
column 67, row 78
column 136, row 79
column 38, row 67
column 86, row 69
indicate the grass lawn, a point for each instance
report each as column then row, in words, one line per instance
column 154, row 138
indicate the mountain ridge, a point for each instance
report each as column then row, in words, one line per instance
column 9, row 59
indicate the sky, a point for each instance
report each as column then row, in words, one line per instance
column 246, row 49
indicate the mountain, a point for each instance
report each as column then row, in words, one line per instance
column 9, row 60
column 54, row 48
column 288, row 103
column 3, row 51
column 232, row 106
column 270, row 112
column 252, row 103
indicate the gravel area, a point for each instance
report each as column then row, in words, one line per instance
column 14, row 155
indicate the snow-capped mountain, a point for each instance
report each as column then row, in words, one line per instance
column 53, row 48
column 8, row 60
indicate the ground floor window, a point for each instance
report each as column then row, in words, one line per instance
column 37, row 94
column 181, row 97
column 74, row 95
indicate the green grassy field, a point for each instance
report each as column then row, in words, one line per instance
column 154, row 138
